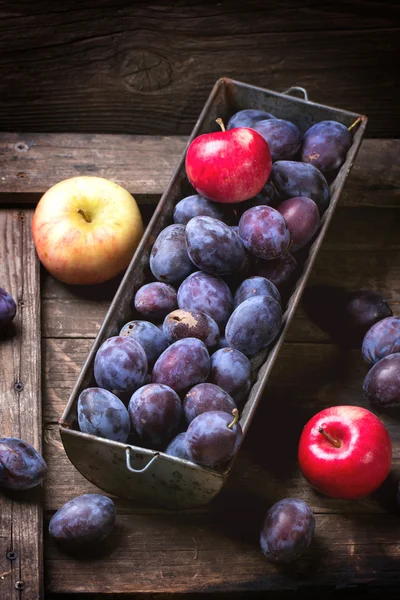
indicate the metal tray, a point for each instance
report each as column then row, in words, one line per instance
column 146, row 475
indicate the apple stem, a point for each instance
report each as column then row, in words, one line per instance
column 235, row 414
column 84, row 215
column 330, row 439
column 355, row 124
column 221, row 123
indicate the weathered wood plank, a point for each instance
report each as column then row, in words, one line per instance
column 32, row 162
column 189, row 561
column 21, row 515
column 141, row 68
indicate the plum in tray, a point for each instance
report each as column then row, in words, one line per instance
column 155, row 411
column 155, row 300
column 198, row 206
column 254, row 324
column 182, row 365
column 101, row 413
column 213, row 247
column 208, row 294
column 302, row 217
column 169, row 260
column 148, row 336
column 264, row 232
column 282, row 137
column 325, row 145
column 231, row 370
column 255, row 286
column 292, row 179
column 205, row 397
column 190, row 323
column 248, row 117
column 213, row 438
column 120, row 365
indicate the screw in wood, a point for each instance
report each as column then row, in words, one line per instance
column 21, row 147
column 11, row 555
column 18, row 386
column 19, row 585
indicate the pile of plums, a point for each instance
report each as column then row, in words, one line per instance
column 176, row 377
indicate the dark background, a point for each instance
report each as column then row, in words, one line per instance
column 128, row 66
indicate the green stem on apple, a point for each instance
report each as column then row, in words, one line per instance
column 355, row 124
column 235, row 414
column 221, row 123
column 330, row 439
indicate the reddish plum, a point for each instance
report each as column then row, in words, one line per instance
column 302, row 217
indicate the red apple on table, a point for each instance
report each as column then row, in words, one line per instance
column 229, row 166
column 345, row 452
column 86, row 229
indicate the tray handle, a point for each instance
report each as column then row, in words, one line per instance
column 296, row 88
column 137, row 471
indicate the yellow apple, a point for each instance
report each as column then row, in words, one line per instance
column 86, row 229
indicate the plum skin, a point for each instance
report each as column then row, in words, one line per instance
column 381, row 339
column 155, row 411
column 212, row 439
column 231, row 371
column 208, row 294
column 182, row 365
column 155, row 300
column 120, row 365
column 189, row 323
column 254, row 324
column 148, row 336
column 21, row 466
column 287, row 530
column 102, row 414
column 83, row 521
column 205, row 397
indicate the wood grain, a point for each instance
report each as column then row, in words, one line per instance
column 189, row 561
column 31, row 163
column 147, row 69
column 21, row 514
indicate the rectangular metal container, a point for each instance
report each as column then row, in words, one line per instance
column 146, row 475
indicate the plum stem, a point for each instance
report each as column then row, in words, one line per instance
column 355, row 124
column 330, row 439
column 220, row 123
column 235, row 414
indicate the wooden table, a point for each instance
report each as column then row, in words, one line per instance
column 213, row 549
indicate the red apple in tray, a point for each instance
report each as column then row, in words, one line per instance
column 345, row 452
column 228, row 166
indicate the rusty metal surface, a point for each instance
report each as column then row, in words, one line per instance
column 169, row 481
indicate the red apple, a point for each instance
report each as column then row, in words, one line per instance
column 229, row 166
column 345, row 452
column 86, row 229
